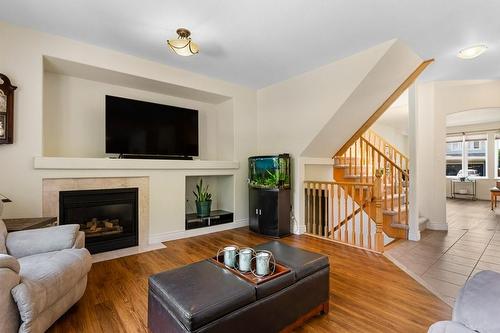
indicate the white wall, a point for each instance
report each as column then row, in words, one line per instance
column 435, row 101
column 393, row 135
column 314, row 114
column 486, row 127
column 74, row 116
column 429, row 180
column 292, row 112
column 323, row 173
column 23, row 61
column 290, row 116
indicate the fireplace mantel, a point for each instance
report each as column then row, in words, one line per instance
column 78, row 163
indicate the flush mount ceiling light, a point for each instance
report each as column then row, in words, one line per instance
column 472, row 52
column 183, row 45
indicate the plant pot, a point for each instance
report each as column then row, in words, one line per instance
column 203, row 208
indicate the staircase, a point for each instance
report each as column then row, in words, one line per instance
column 367, row 203
column 371, row 154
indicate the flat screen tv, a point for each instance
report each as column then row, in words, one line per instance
column 138, row 128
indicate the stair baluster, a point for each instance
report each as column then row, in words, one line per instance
column 337, row 217
column 367, row 156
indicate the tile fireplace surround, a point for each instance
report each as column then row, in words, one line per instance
column 52, row 186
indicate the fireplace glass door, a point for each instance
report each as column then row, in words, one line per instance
column 108, row 217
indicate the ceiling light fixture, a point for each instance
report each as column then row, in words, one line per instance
column 472, row 52
column 183, row 45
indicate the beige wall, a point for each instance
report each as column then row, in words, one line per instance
column 23, row 62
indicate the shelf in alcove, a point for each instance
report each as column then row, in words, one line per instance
column 216, row 217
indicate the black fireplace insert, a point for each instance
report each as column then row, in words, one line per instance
column 109, row 217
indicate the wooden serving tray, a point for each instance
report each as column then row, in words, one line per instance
column 249, row 277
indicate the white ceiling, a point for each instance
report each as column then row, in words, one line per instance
column 257, row 43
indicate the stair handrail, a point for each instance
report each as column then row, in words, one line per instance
column 338, row 183
column 404, row 172
column 371, row 132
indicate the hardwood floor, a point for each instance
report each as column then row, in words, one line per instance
column 367, row 292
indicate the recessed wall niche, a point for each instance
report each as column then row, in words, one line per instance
column 221, row 187
column 74, row 109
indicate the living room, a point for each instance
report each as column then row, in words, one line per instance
column 70, row 72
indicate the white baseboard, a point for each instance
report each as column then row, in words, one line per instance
column 171, row 235
column 299, row 229
column 414, row 235
column 437, row 226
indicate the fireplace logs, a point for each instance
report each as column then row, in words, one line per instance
column 96, row 227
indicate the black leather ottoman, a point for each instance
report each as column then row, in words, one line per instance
column 203, row 297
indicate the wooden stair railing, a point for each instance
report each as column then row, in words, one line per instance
column 388, row 149
column 332, row 214
column 349, row 217
column 361, row 162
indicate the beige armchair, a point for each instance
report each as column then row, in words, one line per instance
column 43, row 272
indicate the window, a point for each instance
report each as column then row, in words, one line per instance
column 466, row 155
column 476, row 147
column 454, row 155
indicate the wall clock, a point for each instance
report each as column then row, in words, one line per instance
column 6, row 110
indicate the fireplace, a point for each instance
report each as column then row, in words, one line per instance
column 109, row 217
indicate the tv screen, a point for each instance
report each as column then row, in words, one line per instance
column 142, row 128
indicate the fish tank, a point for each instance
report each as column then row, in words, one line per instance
column 270, row 172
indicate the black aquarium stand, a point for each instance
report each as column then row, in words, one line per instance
column 270, row 211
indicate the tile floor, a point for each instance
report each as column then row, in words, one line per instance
column 444, row 260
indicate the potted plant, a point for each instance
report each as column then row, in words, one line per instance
column 203, row 199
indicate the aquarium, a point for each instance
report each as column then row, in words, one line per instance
column 269, row 171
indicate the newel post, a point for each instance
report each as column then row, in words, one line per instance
column 379, row 217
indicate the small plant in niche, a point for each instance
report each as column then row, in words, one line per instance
column 203, row 199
